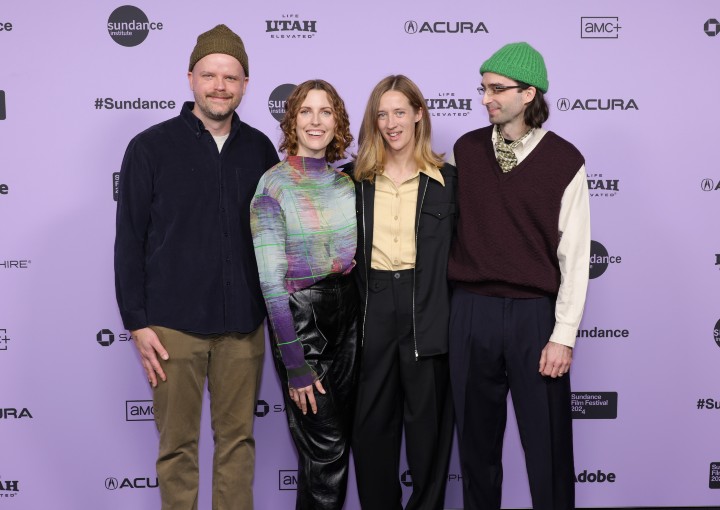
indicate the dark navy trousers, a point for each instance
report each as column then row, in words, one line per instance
column 495, row 346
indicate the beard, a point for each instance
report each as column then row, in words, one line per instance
column 217, row 113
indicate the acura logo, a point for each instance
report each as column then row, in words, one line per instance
column 111, row 483
column 563, row 104
column 411, row 27
column 707, row 185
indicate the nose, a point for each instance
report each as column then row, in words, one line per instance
column 486, row 99
column 219, row 83
column 315, row 120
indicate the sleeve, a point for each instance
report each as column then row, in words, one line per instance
column 131, row 227
column 574, row 257
column 271, row 155
column 267, row 222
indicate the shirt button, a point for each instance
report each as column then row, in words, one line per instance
column 225, row 233
column 396, row 239
column 227, row 259
column 396, row 262
column 222, row 209
column 396, row 217
column 396, row 276
column 227, row 284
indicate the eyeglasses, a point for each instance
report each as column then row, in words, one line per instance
column 494, row 89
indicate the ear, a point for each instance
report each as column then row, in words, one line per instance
column 245, row 84
column 529, row 94
column 190, row 80
column 419, row 114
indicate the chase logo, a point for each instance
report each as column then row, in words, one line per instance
column 106, row 337
column 262, row 408
column 602, row 27
column 712, row 27
column 2, row 105
column 406, row 478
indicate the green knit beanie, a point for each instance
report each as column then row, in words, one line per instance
column 220, row 40
column 518, row 61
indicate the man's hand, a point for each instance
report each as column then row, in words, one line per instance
column 301, row 396
column 555, row 360
column 149, row 346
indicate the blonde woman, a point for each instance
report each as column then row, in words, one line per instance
column 406, row 215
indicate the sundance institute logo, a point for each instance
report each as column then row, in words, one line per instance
column 278, row 100
column 129, row 26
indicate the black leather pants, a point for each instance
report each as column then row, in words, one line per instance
column 325, row 317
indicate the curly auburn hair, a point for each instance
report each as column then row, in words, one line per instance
column 342, row 139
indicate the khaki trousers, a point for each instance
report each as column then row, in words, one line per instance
column 232, row 364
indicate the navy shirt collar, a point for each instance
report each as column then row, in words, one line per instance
column 198, row 127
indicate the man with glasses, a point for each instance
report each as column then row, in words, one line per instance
column 519, row 266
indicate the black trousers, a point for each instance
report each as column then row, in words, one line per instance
column 495, row 345
column 395, row 389
column 325, row 317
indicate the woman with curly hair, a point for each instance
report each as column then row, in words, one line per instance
column 304, row 231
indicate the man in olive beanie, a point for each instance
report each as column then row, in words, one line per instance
column 519, row 266
column 185, row 274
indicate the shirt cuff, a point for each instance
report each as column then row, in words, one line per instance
column 301, row 376
column 564, row 334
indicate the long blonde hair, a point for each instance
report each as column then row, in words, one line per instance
column 371, row 155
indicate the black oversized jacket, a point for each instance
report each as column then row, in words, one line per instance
column 434, row 224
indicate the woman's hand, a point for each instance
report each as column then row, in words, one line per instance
column 301, row 396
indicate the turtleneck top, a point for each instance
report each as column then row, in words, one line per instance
column 304, row 228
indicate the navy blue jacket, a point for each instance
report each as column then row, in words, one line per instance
column 184, row 255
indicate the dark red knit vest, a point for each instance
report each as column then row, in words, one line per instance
column 507, row 234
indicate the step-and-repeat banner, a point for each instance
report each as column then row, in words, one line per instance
column 632, row 86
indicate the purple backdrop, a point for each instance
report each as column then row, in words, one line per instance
column 75, row 412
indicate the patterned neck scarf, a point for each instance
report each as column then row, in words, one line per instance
column 504, row 151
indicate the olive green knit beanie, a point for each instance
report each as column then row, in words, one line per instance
column 220, row 40
column 518, row 61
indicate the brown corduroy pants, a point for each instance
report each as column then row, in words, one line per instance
column 232, row 364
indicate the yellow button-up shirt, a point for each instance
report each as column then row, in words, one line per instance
column 393, row 246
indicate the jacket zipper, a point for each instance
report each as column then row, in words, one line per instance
column 367, row 267
column 422, row 201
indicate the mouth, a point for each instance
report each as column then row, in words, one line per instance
column 315, row 133
column 393, row 135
